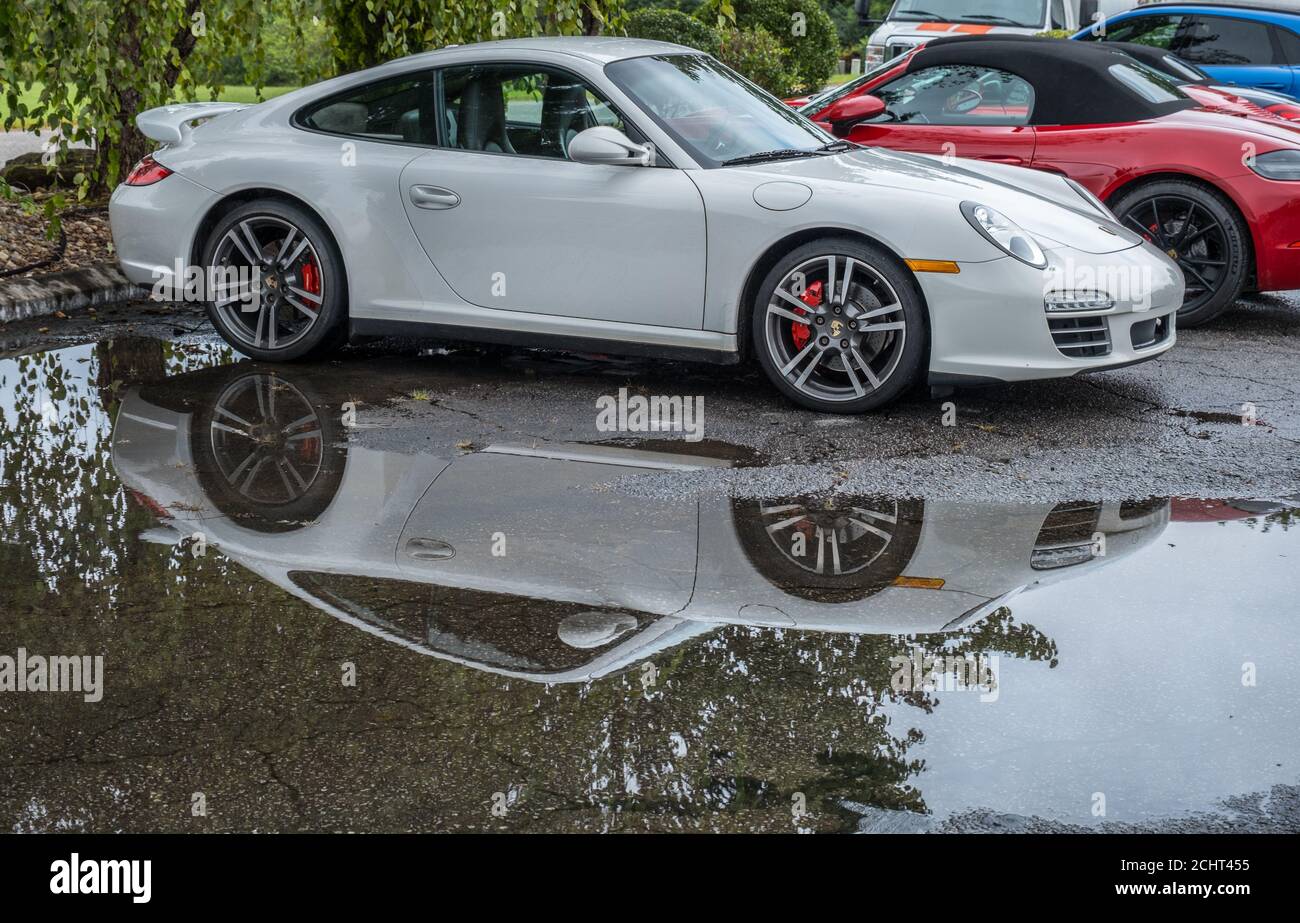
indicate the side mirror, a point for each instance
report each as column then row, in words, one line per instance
column 606, row 144
column 843, row 114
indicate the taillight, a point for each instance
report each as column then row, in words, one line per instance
column 147, row 172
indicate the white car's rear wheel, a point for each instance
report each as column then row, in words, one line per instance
column 277, row 282
column 839, row 326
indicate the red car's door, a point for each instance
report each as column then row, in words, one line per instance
column 1003, row 144
column 955, row 109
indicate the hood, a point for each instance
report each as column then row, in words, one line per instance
column 1271, row 133
column 1042, row 203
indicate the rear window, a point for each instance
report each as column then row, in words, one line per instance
column 1146, row 83
column 399, row 110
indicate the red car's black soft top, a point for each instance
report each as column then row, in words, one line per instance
column 1073, row 82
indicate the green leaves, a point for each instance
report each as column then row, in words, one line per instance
column 83, row 69
column 413, row 26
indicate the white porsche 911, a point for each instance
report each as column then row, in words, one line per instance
column 628, row 196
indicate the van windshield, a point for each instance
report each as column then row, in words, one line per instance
column 1029, row 14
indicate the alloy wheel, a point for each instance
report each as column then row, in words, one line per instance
column 1191, row 236
column 835, row 328
column 829, row 539
column 266, row 440
column 274, row 288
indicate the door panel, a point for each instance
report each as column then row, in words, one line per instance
column 553, row 236
column 1002, row 144
column 537, row 527
column 1234, row 51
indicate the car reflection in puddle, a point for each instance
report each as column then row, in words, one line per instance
column 518, row 559
column 520, row 624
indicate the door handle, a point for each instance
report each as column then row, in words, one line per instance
column 1005, row 158
column 1272, row 86
column 433, row 197
column 429, row 549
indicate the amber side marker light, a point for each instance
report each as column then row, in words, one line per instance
column 933, row 266
column 920, row 583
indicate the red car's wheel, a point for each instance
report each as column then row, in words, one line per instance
column 1202, row 233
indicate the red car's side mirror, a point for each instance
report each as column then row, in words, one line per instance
column 843, row 114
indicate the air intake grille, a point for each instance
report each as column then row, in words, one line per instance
column 1081, row 337
column 1066, row 536
column 1150, row 332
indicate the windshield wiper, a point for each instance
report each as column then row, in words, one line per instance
column 922, row 13
column 838, row 147
column 782, row 154
column 991, row 18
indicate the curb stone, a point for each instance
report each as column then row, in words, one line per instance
column 71, row 290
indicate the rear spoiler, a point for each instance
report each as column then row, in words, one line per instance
column 170, row 124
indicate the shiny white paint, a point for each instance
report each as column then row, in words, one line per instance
column 649, row 255
column 682, row 568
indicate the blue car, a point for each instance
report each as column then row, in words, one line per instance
column 1249, row 45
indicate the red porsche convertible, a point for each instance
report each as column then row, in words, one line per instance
column 1218, row 192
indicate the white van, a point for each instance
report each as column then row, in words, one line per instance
column 914, row 22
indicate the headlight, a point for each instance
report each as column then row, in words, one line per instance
column 1277, row 165
column 1091, row 199
column 1004, row 234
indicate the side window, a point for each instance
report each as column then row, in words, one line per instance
column 1290, row 43
column 958, row 94
column 1058, row 14
column 400, row 109
column 1222, row 40
column 1156, row 31
column 519, row 109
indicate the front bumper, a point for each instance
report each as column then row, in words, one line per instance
column 1272, row 210
column 988, row 322
column 153, row 227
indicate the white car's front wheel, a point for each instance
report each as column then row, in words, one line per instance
column 277, row 289
column 839, row 326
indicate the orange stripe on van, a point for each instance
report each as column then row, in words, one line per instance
column 974, row 30
column 934, row 27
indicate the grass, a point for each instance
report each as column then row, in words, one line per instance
column 233, row 94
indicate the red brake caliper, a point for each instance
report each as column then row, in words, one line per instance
column 311, row 278
column 812, row 297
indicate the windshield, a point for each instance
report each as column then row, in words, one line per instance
column 1028, row 13
column 711, row 111
column 826, row 97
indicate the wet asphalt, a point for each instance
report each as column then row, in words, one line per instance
column 1173, row 426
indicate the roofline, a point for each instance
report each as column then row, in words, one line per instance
column 1218, row 6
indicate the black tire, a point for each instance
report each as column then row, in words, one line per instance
column 858, row 369
column 283, row 474
column 1215, row 260
column 247, row 331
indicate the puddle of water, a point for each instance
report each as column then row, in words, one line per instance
column 322, row 634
